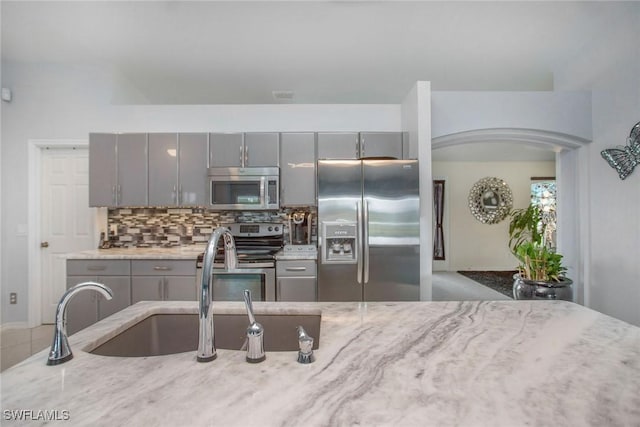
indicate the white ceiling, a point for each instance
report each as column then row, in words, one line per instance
column 211, row 52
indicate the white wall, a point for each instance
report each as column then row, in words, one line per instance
column 52, row 101
column 560, row 121
column 563, row 112
column 416, row 123
column 473, row 245
column 611, row 69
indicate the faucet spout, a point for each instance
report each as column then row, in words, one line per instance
column 60, row 350
column 206, row 333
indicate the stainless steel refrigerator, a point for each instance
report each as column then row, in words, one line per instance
column 368, row 230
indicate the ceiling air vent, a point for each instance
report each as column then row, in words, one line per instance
column 282, row 95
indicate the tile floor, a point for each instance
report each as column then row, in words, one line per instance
column 451, row 286
column 18, row 344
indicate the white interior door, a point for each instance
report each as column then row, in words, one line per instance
column 67, row 222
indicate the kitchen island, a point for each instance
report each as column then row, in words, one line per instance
column 500, row 363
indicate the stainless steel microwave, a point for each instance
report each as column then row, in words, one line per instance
column 244, row 188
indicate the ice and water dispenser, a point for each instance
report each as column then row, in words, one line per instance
column 339, row 242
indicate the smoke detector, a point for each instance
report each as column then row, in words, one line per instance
column 282, row 95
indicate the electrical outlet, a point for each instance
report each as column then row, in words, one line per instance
column 13, row 298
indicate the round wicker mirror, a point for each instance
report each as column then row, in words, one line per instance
column 490, row 200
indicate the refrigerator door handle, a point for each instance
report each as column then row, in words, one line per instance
column 359, row 241
column 365, row 241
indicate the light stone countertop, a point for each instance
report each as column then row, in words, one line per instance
column 181, row 252
column 500, row 363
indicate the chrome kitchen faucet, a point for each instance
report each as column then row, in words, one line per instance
column 206, row 345
column 60, row 350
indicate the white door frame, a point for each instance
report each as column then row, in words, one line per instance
column 34, row 275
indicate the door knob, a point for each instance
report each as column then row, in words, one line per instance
column 44, row 244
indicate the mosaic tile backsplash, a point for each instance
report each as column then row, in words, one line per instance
column 169, row 227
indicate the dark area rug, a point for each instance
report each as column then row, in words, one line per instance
column 500, row 281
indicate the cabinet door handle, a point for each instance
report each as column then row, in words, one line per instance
column 161, row 268
column 97, row 267
column 241, row 156
column 165, row 291
column 296, row 268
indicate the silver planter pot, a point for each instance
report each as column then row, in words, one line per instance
column 535, row 289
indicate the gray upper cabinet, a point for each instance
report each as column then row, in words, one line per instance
column 118, row 169
column 102, row 169
column 177, row 169
column 338, row 145
column 259, row 149
column 192, row 169
column 352, row 145
column 297, row 169
column 132, row 170
column 226, row 149
column 381, row 144
column 163, row 169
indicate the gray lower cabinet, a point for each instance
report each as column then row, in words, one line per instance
column 86, row 308
column 298, row 169
column 131, row 281
column 163, row 280
column 296, row 280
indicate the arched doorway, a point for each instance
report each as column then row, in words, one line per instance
column 572, row 183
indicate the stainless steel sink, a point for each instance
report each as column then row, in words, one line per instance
column 162, row 334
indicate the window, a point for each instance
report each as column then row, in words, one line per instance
column 543, row 194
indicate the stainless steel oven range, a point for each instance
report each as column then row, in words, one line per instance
column 256, row 245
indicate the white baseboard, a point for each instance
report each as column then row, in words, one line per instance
column 14, row 325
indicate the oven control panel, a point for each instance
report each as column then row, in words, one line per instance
column 257, row 229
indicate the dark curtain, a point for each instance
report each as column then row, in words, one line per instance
column 438, row 206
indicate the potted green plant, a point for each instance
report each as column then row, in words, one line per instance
column 541, row 274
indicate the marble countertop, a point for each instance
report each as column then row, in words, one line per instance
column 500, row 363
column 179, row 252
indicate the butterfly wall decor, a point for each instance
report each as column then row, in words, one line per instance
column 624, row 159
